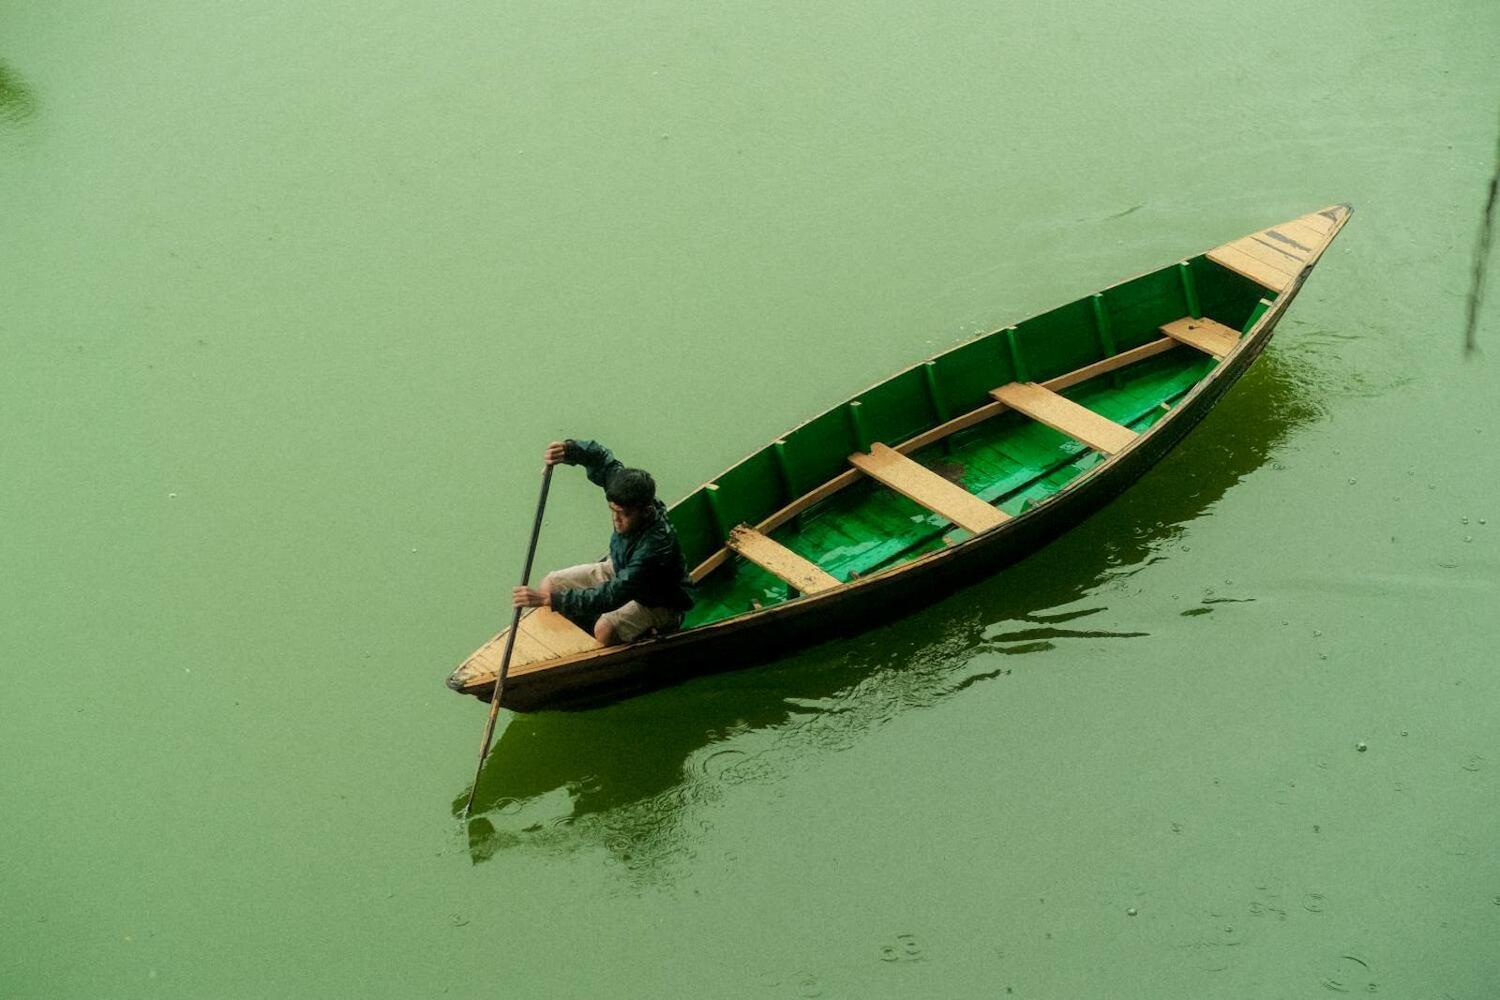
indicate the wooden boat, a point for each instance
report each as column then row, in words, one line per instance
column 942, row 474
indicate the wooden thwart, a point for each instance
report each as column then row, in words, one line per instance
column 961, row 422
column 918, row 483
column 1204, row 334
column 1062, row 414
column 778, row 560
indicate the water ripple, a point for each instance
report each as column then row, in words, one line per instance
column 1036, row 634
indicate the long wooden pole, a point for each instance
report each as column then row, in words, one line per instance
column 510, row 642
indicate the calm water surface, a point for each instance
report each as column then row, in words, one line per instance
column 291, row 299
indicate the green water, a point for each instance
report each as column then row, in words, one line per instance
column 292, row 296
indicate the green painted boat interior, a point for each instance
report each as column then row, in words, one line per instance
column 1009, row 461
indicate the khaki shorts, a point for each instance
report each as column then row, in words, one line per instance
column 631, row 619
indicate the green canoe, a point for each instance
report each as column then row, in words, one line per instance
column 944, row 473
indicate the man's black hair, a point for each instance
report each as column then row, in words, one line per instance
column 633, row 489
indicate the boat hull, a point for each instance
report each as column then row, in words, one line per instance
column 1278, row 260
column 755, row 638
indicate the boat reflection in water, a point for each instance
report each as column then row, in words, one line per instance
column 630, row 778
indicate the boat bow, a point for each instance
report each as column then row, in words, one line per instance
column 1275, row 258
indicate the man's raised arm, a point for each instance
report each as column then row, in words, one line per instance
column 597, row 461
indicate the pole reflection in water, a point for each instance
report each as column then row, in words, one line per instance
column 633, row 777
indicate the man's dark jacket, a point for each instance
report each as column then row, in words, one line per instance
column 649, row 567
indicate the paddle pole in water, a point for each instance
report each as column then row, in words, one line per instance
column 510, row 642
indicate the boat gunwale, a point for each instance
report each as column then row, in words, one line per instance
column 610, row 655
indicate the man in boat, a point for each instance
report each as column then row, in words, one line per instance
column 643, row 585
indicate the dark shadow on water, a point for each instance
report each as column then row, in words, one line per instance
column 628, row 777
column 17, row 102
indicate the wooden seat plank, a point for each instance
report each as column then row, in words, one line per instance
column 1243, row 264
column 1258, row 247
column 556, row 633
column 1301, row 237
column 1062, row 414
column 1274, row 257
column 920, row 484
column 527, row 650
column 1289, row 256
column 485, row 661
column 1204, row 334
column 780, row 561
column 1318, row 221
